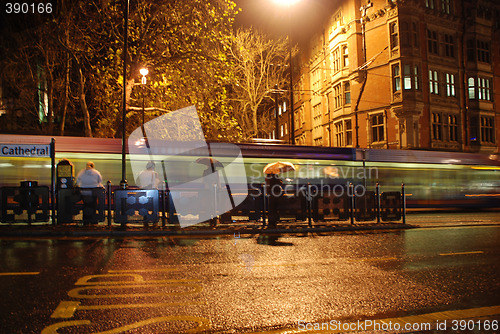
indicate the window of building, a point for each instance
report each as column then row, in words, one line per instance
column 487, row 129
column 336, row 60
column 429, row 4
column 345, row 56
column 416, row 42
column 377, row 124
column 470, row 50
column 393, row 30
column 471, row 83
column 337, row 96
column 286, row 128
column 284, row 106
column 282, row 130
column 347, row 92
column 432, row 42
column 484, row 89
column 453, row 127
column 433, row 82
column 348, row 132
column 396, row 78
column 339, row 134
column 483, row 51
column 437, row 126
column 410, row 77
column 405, row 34
column 446, row 6
column 449, row 46
column 450, row 84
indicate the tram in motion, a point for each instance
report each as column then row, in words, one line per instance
column 432, row 179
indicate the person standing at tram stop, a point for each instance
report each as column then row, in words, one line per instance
column 274, row 187
column 148, row 178
column 89, row 178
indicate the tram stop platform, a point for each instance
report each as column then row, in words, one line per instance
column 232, row 228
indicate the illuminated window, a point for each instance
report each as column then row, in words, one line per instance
column 396, row 78
column 433, row 82
column 437, row 126
column 471, row 88
column 347, row 92
column 393, row 30
column 450, row 84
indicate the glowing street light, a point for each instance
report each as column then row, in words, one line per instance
column 144, row 71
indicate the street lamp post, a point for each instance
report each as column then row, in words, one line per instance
column 123, row 182
column 289, row 4
column 144, row 71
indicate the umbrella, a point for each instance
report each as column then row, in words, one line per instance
column 332, row 172
column 209, row 162
column 279, row 167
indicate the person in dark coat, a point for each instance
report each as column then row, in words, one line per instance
column 274, row 188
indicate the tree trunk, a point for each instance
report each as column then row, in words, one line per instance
column 66, row 89
column 83, row 105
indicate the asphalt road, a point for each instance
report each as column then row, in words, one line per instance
column 248, row 284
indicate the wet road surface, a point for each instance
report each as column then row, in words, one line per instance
column 243, row 284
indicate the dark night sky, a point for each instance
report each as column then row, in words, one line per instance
column 274, row 19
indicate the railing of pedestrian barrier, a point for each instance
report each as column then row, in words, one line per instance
column 310, row 203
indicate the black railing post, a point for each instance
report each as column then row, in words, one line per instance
column 403, row 202
column 352, row 200
column 108, row 195
column 264, row 206
column 309, row 204
column 163, row 207
column 377, row 194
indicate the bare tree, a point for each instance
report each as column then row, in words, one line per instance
column 260, row 63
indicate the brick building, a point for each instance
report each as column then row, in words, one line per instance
column 414, row 74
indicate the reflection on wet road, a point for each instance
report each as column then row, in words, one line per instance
column 244, row 284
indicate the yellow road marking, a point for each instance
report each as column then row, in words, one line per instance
column 374, row 259
column 137, row 279
column 21, row 273
column 423, row 318
column 271, row 265
column 75, row 293
column 203, row 324
column 67, row 309
column 461, row 253
column 142, row 270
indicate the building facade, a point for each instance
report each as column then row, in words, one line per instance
column 413, row 74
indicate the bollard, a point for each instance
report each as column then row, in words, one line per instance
column 403, row 202
column 377, row 194
column 163, row 207
column 108, row 195
column 351, row 189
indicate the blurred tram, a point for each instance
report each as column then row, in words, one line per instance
column 432, row 179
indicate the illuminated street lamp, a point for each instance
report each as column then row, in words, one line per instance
column 289, row 4
column 144, row 71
